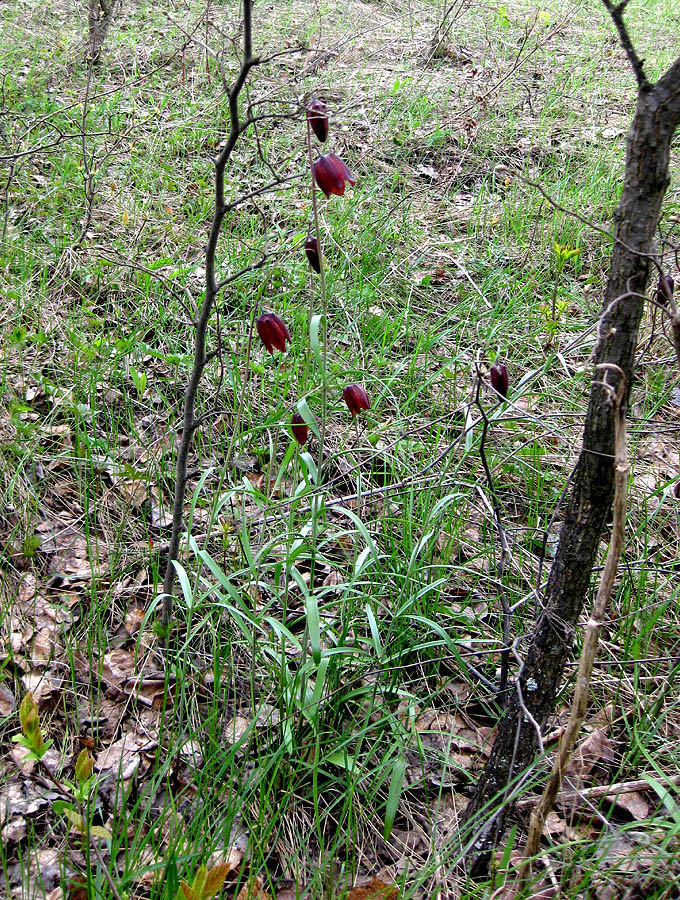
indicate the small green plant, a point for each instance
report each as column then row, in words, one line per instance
column 31, row 736
column 207, row 882
column 76, row 811
column 553, row 314
column 139, row 379
column 30, row 545
column 75, row 803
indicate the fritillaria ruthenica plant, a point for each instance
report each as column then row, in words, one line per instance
column 317, row 116
column 299, row 428
column 312, row 251
column 272, row 332
column 664, row 290
column 499, row 379
column 331, row 174
column 356, row 398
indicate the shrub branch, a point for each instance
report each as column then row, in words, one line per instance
column 212, row 288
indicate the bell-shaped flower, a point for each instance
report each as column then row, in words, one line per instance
column 312, row 251
column 664, row 290
column 356, row 398
column 331, row 174
column 272, row 332
column 499, row 379
column 317, row 116
column 299, row 428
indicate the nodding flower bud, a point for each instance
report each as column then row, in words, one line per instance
column 312, row 251
column 331, row 173
column 356, row 398
column 664, row 290
column 317, row 116
column 499, row 379
column 272, row 332
column 299, row 428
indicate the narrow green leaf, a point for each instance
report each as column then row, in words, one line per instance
column 309, row 417
column 313, row 624
column 375, row 634
column 394, row 793
column 84, row 766
column 184, row 583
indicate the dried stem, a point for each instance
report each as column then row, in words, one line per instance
column 592, row 635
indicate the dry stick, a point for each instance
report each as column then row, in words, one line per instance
column 212, row 288
column 597, row 792
column 505, row 609
column 592, row 635
column 89, row 174
column 675, row 325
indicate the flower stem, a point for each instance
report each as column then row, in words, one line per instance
column 324, row 316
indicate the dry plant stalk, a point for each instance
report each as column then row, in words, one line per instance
column 592, row 634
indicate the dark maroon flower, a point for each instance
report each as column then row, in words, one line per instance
column 273, row 333
column 664, row 291
column 331, row 173
column 299, row 428
column 356, row 398
column 312, row 251
column 499, row 379
column 317, row 116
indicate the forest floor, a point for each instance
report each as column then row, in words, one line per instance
column 329, row 690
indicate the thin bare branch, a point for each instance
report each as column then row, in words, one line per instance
column 616, row 11
column 212, row 288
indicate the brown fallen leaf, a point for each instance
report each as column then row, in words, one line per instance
column 133, row 620
column 8, row 702
column 593, row 749
column 253, row 890
column 230, row 856
column 119, row 665
column 376, row 889
column 633, row 802
column 235, row 728
column 121, row 756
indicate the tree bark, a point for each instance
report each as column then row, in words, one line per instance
column 646, row 179
column 99, row 17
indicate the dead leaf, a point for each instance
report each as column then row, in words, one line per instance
column 150, row 691
column 133, row 620
column 68, row 549
column 554, row 824
column 633, row 802
column 595, row 748
column 8, row 702
column 253, row 890
column 231, row 856
column 235, row 728
column 122, row 756
column 132, row 492
column 376, row 889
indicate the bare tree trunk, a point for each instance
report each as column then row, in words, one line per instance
column 99, row 18
column 646, row 179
